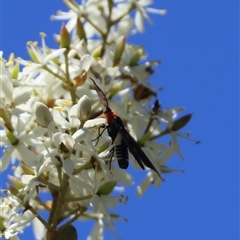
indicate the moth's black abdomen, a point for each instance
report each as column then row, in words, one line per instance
column 121, row 151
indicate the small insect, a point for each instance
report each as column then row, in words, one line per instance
column 121, row 137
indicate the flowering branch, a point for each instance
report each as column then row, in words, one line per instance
column 50, row 115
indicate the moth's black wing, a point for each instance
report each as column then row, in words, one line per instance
column 112, row 131
column 133, row 147
column 121, row 149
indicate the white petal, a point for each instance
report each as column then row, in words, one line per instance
column 167, row 153
column 21, row 95
column 85, row 62
column 94, row 122
column 139, row 21
column 97, row 231
column 80, row 183
column 4, row 161
column 122, row 176
column 80, row 134
column 141, row 189
column 68, row 166
column 73, row 119
column 6, row 87
column 54, row 54
column 31, row 159
column 38, row 229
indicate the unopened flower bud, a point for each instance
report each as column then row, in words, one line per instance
column 27, row 170
column 84, row 108
column 43, row 115
column 119, row 51
column 115, row 89
column 31, row 52
column 11, row 137
column 64, row 37
column 15, row 71
column 145, row 138
column 107, row 188
column 16, row 182
column 15, row 192
column 6, row 116
column 80, row 29
column 97, row 52
column 181, row 122
column 136, row 57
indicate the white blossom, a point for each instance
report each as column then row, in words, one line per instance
column 54, row 135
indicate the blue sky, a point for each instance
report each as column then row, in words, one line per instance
column 197, row 42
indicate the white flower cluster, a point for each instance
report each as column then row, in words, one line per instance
column 50, row 115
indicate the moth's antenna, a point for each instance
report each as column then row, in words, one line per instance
column 101, row 94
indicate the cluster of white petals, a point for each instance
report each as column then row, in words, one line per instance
column 50, row 116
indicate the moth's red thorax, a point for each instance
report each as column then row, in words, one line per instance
column 109, row 115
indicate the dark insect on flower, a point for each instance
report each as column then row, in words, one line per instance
column 121, row 137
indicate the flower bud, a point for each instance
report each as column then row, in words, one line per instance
column 115, row 89
column 97, row 52
column 136, row 57
column 27, row 170
column 145, row 138
column 16, row 182
column 43, row 115
column 181, row 122
column 15, row 192
column 31, row 52
column 11, row 137
column 107, row 188
column 84, row 108
column 12, row 190
column 80, row 29
column 119, row 51
column 15, row 71
column 6, row 116
column 64, row 37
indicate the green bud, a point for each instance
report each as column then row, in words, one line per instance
column 11, row 137
column 104, row 146
column 115, row 89
column 15, row 71
column 145, row 138
column 97, row 52
column 80, row 29
column 107, row 188
column 136, row 57
column 181, row 122
column 14, row 191
column 27, row 170
column 32, row 55
column 6, row 116
column 64, row 37
column 119, row 51
column 16, row 182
